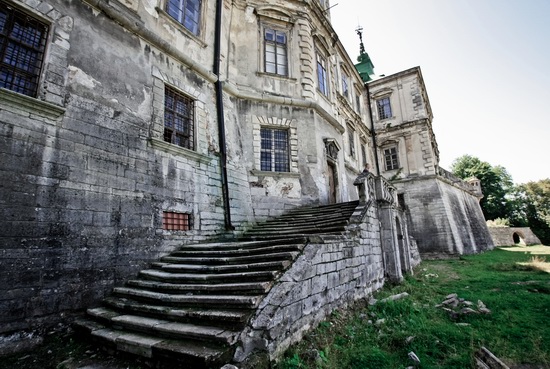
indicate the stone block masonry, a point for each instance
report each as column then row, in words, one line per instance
column 332, row 272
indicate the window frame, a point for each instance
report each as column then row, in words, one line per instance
column 322, row 78
column 35, row 55
column 383, row 107
column 346, row 91
column 181, row 16
column 351, row 141
column 391, row 158
column 191, row 134
column 277, row 46
column 277, row 156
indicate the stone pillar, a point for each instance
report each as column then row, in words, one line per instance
column 387, row 202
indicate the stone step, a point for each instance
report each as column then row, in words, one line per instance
column 193, row 268
column 226, row 288
column 233, row 301
column 240, row 245
column 226, row 317
column 310, row 228
column 191, row 278
column 163, row 328
column 288, row 255
column 183, row 353
column 297, row 224
column 200, row 252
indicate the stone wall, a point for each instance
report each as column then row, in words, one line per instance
column 507, row 236
column 444, row 219
column 85, row 178
column 330, row 273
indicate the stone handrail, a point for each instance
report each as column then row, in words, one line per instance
column 365, row 186
column 385, row 192
column 373, row 188
column 458, row 182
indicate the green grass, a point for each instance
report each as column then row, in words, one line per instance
column 517, row 330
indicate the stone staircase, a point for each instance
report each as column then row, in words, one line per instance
column 189, row 308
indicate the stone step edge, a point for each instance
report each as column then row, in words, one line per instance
column 212, row 260
column 264, row 276
column 259, row 287
column 122, row 304
column 247, row 302
column 193, row 268
column 163, row 328
column 151, row 347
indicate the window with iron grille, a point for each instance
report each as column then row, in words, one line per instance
column 391, row 158
column 172, row 221
column 275, row 44
column 186, row 12
column 22, row 45
column 322, row 77
column 274, row 150
column 351, row 140
column 384, row 108
column 179, row 121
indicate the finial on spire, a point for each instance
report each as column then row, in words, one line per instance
column 359, row 32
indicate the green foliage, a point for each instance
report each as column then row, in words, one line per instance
column 381, row 336
column 536, row 201
column 498, row 222
column 496, row 184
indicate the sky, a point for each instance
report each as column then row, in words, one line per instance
column 486, row 66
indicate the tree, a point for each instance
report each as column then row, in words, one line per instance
column 536, row 207
column 496, row 184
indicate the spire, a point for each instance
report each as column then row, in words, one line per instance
column 365, row 66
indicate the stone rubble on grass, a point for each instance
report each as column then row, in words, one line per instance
column 456, row 306
column 414, row 358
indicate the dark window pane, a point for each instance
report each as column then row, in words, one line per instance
column 179, row 119
column 22, row 44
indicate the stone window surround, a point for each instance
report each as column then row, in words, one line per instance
column 277, row 123
column 386, row 149
column 279, row 19
column 189, row 140
column 200, row 37
column 275, row 150
column 380, row 110
column 345, row 83
column 385, row 93
column 23, row 46
column 288, row 33
column 50, row 98
column 351, row 141
column 156, row 134
column 322, row 61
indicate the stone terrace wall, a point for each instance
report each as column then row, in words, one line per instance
column 331, row 273
column 504, row 236
column 445, row 219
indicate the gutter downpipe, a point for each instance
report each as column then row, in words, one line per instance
column 220, row 114
column 373, row 132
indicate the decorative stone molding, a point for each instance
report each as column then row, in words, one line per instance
column 257, row 123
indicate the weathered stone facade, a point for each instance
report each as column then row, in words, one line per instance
column 88, row 176
column 443, row 211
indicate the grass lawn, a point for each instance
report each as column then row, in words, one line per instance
column 380, row 336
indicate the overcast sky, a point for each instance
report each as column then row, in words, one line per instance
column 486, row 65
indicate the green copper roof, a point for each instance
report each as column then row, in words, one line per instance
column 365, row 66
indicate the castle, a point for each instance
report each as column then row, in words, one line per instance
column 129, row 128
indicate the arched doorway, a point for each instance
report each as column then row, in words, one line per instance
column 518, row 239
